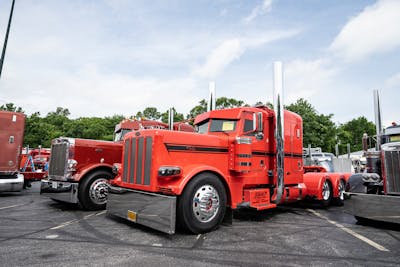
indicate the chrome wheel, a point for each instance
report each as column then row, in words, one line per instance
column 341, row 189
column 206, row 201
column 326, row 190
column 98, row 191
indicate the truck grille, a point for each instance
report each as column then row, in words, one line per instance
column 137, row 160
column 58, row 159
column 391, row 157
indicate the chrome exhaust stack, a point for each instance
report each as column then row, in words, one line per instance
column 378, row 119
column 171, row 119
column 279, row 128
column 211, row 97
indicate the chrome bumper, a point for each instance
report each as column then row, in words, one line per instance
column 62, row 191
column 375, row 207
column 12, row 184
column 153, row 210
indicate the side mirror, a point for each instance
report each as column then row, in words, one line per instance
column 258, row 122
column 258, row 126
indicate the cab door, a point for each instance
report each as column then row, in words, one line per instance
column 261, row 154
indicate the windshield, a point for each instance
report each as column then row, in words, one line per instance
column 328, row 165
column 40, row 159
column 119, row 136
column 202, row 127
column 394, row 138
column 216, row 125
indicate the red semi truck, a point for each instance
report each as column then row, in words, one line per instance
column 12, row 125
column 248, row 157
column 79, row 169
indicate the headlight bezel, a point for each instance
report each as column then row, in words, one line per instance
column 169, row 171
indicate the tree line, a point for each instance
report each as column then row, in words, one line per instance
column 318, row 129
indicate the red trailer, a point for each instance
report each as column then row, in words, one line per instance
column 12, row 125
column 79, row 169
column 248, row 157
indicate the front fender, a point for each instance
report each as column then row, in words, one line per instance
column 314, row 182
column 192, row 170
column 84, row 171
column 336, row 177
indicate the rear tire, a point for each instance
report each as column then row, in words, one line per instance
column 93, row 190
column 339, row 201
column 202, row 205
column 361, row 220
column 327, row 193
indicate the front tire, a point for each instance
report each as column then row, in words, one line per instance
column 93, row 190
column 201, row 207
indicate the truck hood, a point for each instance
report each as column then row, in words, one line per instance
column 177, row 140
column 195, row 140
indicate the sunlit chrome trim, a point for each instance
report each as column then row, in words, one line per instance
column 279, row 128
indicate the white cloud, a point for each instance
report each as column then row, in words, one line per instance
column 220, row 57
column 260, row 9
column 232, row 49
column 223, row 12
column 374, row 30
column 88, row 92
column 305, row 79
column 393, row 81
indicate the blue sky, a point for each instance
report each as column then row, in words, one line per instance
column 105, row 57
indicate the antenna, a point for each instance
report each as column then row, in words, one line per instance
column 3, row 53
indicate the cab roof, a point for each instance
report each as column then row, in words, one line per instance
column 231, row 113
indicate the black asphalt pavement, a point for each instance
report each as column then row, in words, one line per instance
column 36, row 231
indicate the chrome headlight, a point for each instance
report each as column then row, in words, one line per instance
column 72, row 165
column 166, row 171
column 116, row 167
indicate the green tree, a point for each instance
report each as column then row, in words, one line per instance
column 38, row 132
column 352, row 131
column 59, row 118
column 151, row 113
column 110, row 123
column 200, row 108
column 224, row 102
column 11, row 107
column 177, row 116
column 318, row 129
column 220, row 103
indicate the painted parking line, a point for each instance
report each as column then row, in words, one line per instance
column 62, row 225
column 351, row 232
column 13, row 206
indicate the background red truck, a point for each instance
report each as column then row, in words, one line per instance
column 34, row 164
column 12, row 125
column 79, row 169
column 248, row 157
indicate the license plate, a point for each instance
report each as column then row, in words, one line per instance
column 132, row 216
column 54, row 185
